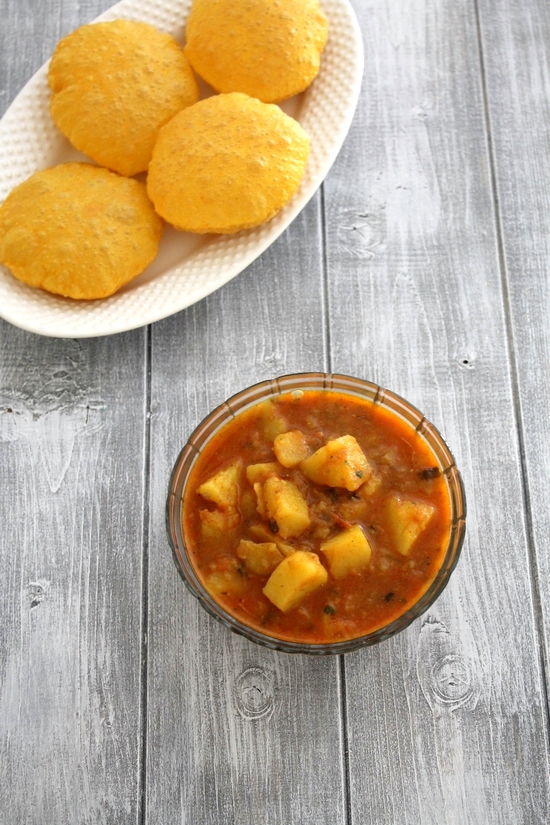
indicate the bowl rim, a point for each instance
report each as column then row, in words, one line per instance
column 214, row 421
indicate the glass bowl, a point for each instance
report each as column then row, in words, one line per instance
column 358, row 388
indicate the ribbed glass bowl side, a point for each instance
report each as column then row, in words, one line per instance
column 297, row 383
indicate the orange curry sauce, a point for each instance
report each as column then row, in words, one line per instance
column 360, row 602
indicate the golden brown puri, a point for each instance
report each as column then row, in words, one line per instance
column 269, row 49
column 227, row 163
column 113, row 86
column 78, row 230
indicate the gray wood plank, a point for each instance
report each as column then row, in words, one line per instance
column 447, row 723
column 71, row 468
column 516, row 56
column 71, row 459
column 210, row 758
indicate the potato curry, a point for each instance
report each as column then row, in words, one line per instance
column 316, row 516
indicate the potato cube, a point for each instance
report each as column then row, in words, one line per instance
column 248, row 504
column 290, row 448
column 370, row 487
column 357, row 506
column 296, row 577
column 286, row 506
column 348, row 552
column 259, row 490
column 261, row 558
column 272, row 420
column 261, row 472
column 340, row 463
column 263, row 533
column 213, row 524
column 223, row 487
column 408, row 519
column 224, row 578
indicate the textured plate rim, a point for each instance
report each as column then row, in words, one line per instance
column 68, row 319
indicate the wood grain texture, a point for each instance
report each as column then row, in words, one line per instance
column 71, row 459
column 72, row 476
column 516, row 59
column 236, row 733
column 411, row 269
column 438, row 716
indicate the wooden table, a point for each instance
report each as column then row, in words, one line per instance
column 421, row 264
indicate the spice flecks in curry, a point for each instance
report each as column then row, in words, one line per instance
column 316, row 517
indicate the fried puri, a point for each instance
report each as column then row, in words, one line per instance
column 78, row 230
column 227, row 163
column 113, row 86
column 266, row 49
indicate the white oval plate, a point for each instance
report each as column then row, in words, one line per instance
column 188, row 267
